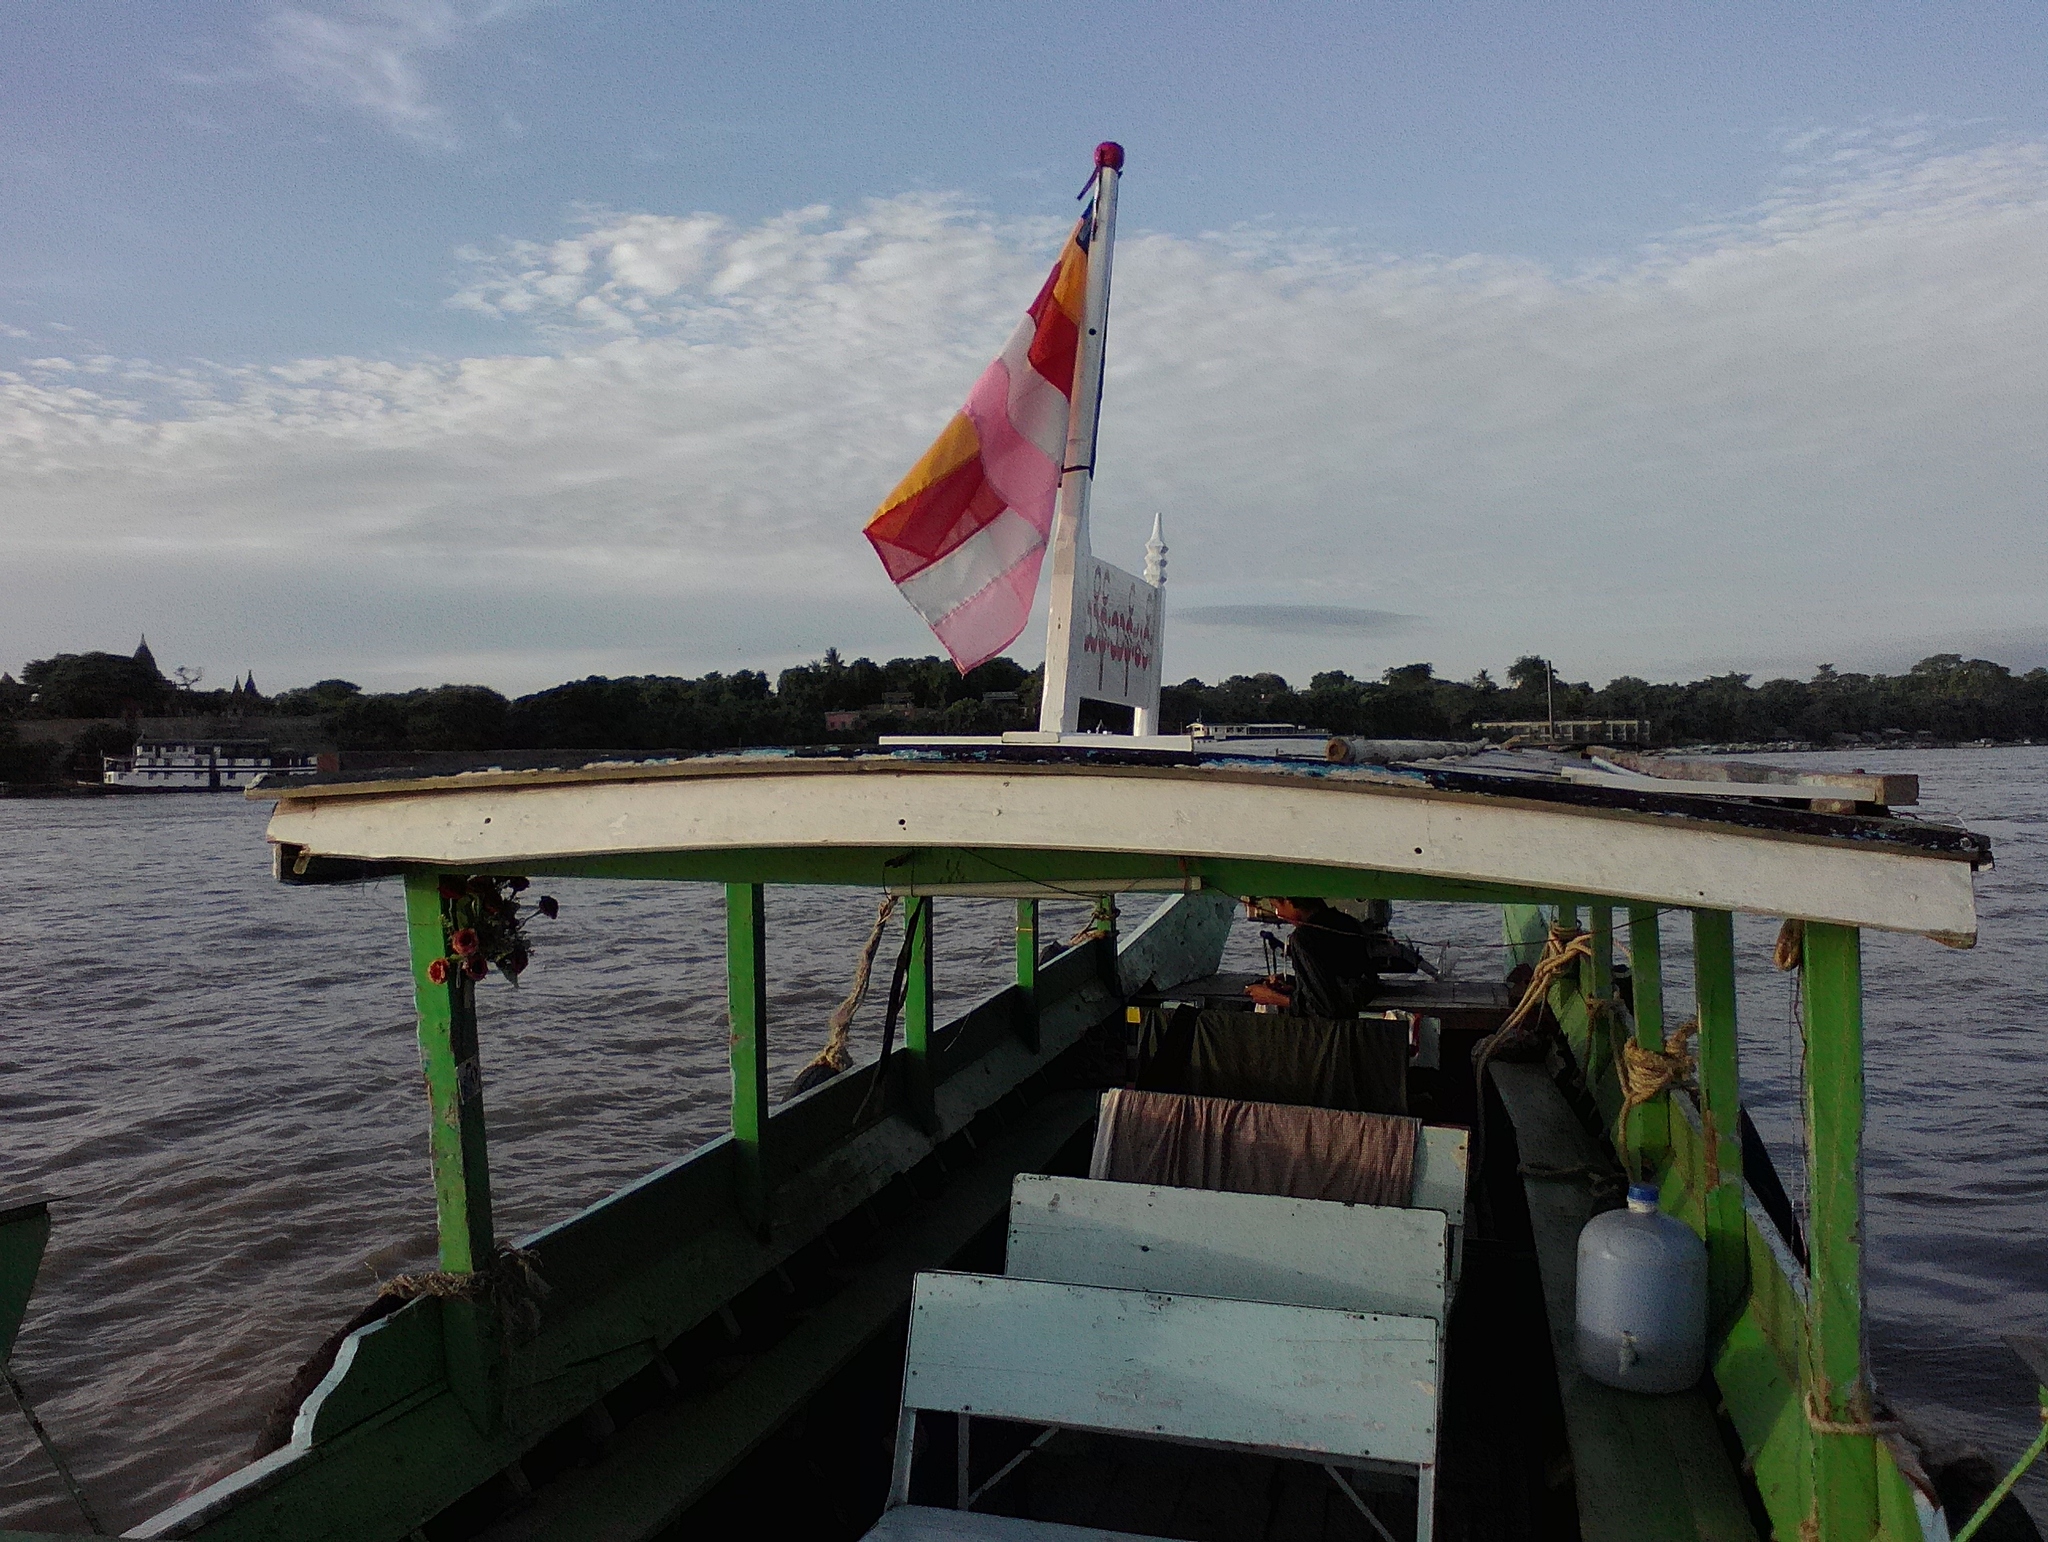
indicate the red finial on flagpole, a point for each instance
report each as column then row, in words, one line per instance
column 1111, row 154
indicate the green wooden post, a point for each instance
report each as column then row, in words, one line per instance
column 455, row 1085
column 1596, row 978
column 457, row 1145
column 746, row 997
column 1844, row 1464
column 1649, row 1133
column 917, row 1019
column 1027, row 973
column 1713, row 951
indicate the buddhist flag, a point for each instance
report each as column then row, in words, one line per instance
column 964, row 534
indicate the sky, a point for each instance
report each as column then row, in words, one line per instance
column 501, row 342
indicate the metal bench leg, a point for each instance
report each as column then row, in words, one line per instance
column 906, row 1442
column 1425, row 1503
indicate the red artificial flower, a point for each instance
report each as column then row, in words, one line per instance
column 437, row 971
column 546, row 906
column 466, row 941
column 475, row 968
column 451, row 888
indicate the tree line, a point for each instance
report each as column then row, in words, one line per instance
column 836, row 701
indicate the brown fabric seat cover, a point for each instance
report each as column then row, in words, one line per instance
column 1228, row 1144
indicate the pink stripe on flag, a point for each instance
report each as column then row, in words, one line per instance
column 1027, row 478
column 983, row 626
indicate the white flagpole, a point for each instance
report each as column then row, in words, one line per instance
column 1058, row 712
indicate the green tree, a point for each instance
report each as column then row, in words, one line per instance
column 95, row 685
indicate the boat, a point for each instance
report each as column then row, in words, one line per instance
column 199, row 765
column 926, row 1297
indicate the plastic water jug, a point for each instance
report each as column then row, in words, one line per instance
column 1642, row 1298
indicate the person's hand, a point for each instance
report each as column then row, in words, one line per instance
column 1268, row 993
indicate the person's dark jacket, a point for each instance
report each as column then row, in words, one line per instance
column 1333, row 974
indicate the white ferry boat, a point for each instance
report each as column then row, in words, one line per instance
column 212, row 765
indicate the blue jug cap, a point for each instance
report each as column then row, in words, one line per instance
column 1642, row 1196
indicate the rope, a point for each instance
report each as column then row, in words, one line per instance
column 835, row 1057
column 510, row 1286
column 1819, row 1421
column 1650, row 1073
column 1564, row 948
column 1790, row 951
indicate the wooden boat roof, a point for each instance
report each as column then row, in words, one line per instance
column 1059, row 823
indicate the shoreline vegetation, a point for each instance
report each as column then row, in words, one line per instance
column 64, row 712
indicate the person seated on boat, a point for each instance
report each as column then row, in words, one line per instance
column 1332, row 957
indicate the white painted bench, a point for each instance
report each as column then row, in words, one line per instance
column 1248, row 1247
column 1340, row 1388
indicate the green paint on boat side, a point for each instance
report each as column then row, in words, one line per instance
column 1026, row 1005
column 1845, row 1483
column 917, row 1016
column 24, row 1230
column 1720, row 1084
column 387, row 1441
column 746, row 969
column 1650, row 1124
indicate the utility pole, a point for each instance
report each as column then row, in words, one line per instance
column 1550, row 697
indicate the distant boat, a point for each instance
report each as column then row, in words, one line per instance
column 199, row 765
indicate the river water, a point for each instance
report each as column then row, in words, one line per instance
column 216, row 1079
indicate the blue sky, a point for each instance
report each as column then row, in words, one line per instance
column 514, row 341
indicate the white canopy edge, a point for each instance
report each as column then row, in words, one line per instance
column 500, row 821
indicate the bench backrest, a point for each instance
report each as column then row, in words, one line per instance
column 1250, row 1247
column 1289, row 1380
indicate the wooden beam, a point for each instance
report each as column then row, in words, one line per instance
column 1725, row 1229
column 918, row 1081
column 1838, row 1398
column 1649, row 1132
column 1889, row 790
column 457, row 1145
column 1027, row 973
column 746, row 985
column 1893, row 875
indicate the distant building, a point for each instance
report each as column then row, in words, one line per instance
column 842, row 722
column 1577, row 730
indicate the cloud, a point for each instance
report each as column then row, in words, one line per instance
column 368, row 58
column 1297, row 620
column 1807, row 432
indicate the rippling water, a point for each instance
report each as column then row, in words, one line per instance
column 216, row 1077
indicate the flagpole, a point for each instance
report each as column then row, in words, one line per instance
column 1057, row 711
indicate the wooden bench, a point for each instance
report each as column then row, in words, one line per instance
column 1248, row 1247
column 1340, row 1388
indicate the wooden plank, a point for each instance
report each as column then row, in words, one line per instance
column 1720, row 1104
column 1249, row 1247
column 1249, row 1374
column 1440, row 1161
column 746, row 985
column 1845, row 1465
column 1026, row 1007
column 918, row 1077
column 1889, row 789
column 1649, row 1132
column 1648, row 1469
column 919, row 1523
column 1123, row 812
column 1182, row 940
